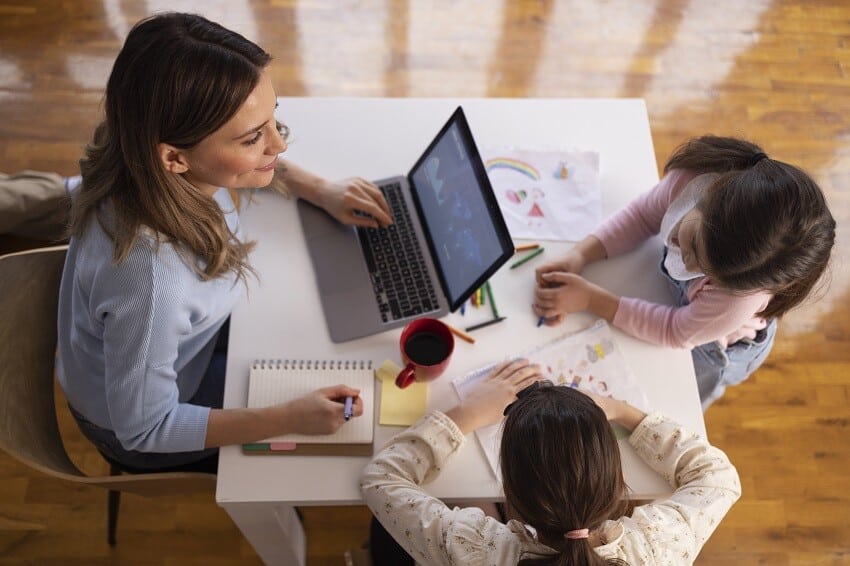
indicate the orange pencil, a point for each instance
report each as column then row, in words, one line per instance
column 461, row 334
column 526, row 247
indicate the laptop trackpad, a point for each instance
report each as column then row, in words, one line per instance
column 338, row 262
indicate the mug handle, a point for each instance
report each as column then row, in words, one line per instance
column 406, row 376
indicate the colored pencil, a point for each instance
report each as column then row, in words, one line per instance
column 530, row 256
column 489, row 290
column 461, row 334
column 483, row 324
column 526, row 247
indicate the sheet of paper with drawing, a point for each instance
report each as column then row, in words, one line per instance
column 589, row 360
column 546, row 195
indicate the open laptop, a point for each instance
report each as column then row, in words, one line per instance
column 457, row 239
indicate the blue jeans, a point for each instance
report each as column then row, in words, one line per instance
column 716, row 367
column 210, row 393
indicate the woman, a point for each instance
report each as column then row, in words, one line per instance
column 562, row 479
column 156, row 261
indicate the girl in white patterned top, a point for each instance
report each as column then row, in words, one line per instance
column 562, row 479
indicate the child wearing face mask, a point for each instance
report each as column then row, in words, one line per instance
column 746, row 239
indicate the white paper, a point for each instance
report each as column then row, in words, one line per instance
column 588, row 360
column 546, row 195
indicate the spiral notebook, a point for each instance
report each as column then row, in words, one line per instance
column 277, row 381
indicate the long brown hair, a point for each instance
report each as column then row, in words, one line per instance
column 177, row 79
column 766, row 224
column 561, row 471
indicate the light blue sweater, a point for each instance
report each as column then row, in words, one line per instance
column 136, row 338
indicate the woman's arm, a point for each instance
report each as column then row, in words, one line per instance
column 320, row 412
column 351, row 201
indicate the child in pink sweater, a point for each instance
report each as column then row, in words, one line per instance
column 746, row 238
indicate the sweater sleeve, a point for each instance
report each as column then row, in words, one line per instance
column 673, row 530
column 713, row 314
column 430, row 531
column 142, row 307
column 641, row 219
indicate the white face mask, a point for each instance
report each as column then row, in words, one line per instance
column 676, row 267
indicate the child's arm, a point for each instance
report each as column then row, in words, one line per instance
column 424, row 526
column 706, row 484
column 712, row 315
column 641, row 219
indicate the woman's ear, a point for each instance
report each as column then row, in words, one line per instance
column 173, row 159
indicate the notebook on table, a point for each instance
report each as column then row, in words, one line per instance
column 272, row 382
column 447, row 239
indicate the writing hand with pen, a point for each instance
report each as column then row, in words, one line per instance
column 322, row 411
column 560, row 291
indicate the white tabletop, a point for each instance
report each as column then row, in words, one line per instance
column 281, row 316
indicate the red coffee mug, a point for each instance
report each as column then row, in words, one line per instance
column 426, row 348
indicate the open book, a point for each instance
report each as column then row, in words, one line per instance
column 272, row 382
column 588, row 359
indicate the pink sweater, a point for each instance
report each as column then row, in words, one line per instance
column 714, row 314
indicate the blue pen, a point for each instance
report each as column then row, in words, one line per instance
column 540, row 321
column 349, row 402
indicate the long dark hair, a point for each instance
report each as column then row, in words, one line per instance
column 766, row 224
column 177, row 79
column 561, row 471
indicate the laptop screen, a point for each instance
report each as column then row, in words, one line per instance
column 466, row 232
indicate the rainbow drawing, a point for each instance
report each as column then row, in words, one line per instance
column 514, row 164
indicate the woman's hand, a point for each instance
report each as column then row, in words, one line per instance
column 566, row 293
column 322, row 411
column 356, row 201
column 488, row 400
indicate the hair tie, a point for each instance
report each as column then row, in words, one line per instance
column 756, row 158
column 577, row 534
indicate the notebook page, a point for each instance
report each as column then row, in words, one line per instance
column 276, row 381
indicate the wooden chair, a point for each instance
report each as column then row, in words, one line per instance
column 29, row 430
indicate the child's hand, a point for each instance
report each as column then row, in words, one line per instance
column 617, row 411
column 488, row 400
column 572, row 262
column 566, row 293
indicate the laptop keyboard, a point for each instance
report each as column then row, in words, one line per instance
column 396, row 264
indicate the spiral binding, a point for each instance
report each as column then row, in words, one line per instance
column 310, row 365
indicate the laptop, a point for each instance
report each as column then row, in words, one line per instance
column 447, row 238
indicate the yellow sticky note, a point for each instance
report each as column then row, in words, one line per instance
column 400, row 407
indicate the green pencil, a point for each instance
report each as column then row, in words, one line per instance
column 489, row 292
column 532, row 255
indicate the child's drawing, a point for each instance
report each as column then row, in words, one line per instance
column 562, row 204
column 588, row 360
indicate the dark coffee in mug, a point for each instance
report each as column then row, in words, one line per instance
column 427, row 348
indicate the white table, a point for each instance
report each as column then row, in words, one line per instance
column 281, row 316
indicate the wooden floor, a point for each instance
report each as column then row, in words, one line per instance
column 772, row 71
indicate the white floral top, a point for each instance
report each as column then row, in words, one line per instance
column 670, row 531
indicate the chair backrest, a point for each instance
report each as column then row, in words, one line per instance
column 29, row 431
